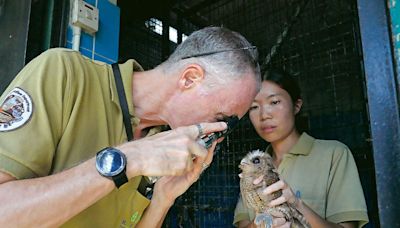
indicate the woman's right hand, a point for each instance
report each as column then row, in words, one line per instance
column 287, row 196
column 276, row 223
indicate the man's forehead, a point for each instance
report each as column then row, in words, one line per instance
column 236, row 98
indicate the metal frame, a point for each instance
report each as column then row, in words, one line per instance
column 383, row 104
column 14, row 29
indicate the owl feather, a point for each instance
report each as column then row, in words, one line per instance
column 254, row 165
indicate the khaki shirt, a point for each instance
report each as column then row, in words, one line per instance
column 75, row 112
column 324, row 175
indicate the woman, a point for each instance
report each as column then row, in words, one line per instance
column 319, row 176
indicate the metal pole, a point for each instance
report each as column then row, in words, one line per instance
column 394, row 7
column 383, row 104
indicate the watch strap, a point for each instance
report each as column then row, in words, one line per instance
column 120, row 179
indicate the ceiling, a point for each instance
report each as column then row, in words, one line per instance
column 188, row 9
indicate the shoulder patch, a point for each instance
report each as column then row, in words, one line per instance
column 16, row 110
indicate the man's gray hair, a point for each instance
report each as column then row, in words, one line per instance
column 222, row 53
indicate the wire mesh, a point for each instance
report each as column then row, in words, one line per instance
column 321, row 50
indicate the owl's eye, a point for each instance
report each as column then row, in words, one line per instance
column 256, row 160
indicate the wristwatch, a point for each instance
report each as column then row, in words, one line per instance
column 111, row 163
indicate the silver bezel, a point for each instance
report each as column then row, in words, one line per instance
column 116, row 152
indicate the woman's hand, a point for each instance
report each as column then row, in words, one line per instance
column 280, row 223
column 287, row 194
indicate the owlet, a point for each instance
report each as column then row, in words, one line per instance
column 255, row 164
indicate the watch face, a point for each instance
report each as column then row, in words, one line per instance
column 110, row 162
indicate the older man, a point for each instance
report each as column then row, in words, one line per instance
column 72, row 145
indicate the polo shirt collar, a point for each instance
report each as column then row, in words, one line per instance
column 302, row 147
column 127, row 70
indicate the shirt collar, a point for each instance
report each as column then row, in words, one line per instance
column 302, row 147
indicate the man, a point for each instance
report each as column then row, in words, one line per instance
column 50, row 174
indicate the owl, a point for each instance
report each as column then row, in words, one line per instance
column 255, row 164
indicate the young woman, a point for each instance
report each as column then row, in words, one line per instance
column 319, row 176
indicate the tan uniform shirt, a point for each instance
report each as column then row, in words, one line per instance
column 323, row 173
column 72, row 111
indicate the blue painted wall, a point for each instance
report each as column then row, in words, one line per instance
column 103, row 46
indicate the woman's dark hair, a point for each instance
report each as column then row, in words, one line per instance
column 285, row 81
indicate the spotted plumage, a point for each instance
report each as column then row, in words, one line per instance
column 255, row 164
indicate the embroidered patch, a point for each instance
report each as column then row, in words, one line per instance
column 16, row 110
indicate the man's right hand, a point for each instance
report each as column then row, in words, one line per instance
column 168, row 153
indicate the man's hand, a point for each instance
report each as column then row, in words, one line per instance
column 170, row 153
column 179, row 178
column 169, row 187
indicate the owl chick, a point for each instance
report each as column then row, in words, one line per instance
column 255, row 164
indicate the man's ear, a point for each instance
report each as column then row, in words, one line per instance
column 192, row 75
column 297, row 106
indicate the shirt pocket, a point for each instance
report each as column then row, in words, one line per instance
column 131, row 204
column 139, row 205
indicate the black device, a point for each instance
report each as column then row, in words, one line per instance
column 111, row 163
column 207, row 140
